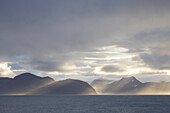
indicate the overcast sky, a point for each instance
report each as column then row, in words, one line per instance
column 86, row 39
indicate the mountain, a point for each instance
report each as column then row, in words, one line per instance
column 156, row 88
column 100, row 84
column 28, row 83
column 131, row 85
column 23, row 83
column 68, row 86
column 125, row 85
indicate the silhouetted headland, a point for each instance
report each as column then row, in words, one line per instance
column 30, row 84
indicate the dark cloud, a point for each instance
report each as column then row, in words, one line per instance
column 56, row 27
column 46, row 35
column 45, row 65
column 111, row 68
column 153, row 48
column 158, row 61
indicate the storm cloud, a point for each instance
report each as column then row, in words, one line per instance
column 111, row 68
column 68, row 36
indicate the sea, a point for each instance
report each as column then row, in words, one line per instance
column 86, row 104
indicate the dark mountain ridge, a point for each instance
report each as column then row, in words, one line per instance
column 23, row 83
column 28, row 83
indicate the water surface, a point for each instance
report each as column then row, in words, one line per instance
column 85, row 104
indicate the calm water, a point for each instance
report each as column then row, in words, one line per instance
column 84, row 104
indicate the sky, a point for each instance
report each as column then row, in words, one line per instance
column 86, row 39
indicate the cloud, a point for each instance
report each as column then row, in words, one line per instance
column 111, row 68
column 45, row 65
column 156, row 78
column 5, row 70
column 157, row 61
column 60, row 27
column 80, row 36
column 154, row 47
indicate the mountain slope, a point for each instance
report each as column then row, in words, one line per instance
column 68, row 86
column 131, row 85
column 99, row 85
column 125, row 85
column 155, row 88
column 23, row 83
